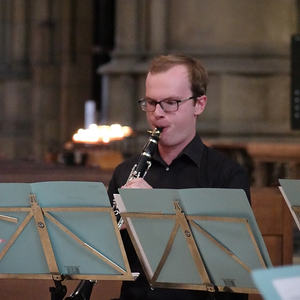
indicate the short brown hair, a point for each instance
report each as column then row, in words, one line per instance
column 197, row 73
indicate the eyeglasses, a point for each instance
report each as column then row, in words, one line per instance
column 167, row 105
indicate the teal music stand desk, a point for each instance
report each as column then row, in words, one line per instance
column 201, row 239
column 60, row 230
column 290, row 190
column 279, row 283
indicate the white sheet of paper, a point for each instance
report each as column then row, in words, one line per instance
column 288, row 288
column 119, row 202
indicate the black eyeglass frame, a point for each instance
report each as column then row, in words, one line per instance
column 142, row 103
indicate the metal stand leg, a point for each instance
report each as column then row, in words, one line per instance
column 58, row 292
column 83, row 291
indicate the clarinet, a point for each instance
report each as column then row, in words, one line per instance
column 140, row 169
column 143, row 164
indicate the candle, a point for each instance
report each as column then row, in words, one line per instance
column 89, row 113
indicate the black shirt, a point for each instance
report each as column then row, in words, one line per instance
column 197, row 166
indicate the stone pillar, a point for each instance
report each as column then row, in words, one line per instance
column 141, row 28
column 46, row 76
column 127, row 28
column 121, row 76
column 158, row 26
column 15, row 88
column 243, row 44
column 76, row 83
column 3, row 33
column 61, row 57
column 20, row 32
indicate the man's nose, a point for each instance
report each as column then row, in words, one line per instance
column 158, row 109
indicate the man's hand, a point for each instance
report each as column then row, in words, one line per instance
column 137, row 183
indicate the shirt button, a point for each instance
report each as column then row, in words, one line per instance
column 167, row 168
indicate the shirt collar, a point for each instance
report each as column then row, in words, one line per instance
column 193, row 150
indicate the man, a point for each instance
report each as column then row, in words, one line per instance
column 175, row 97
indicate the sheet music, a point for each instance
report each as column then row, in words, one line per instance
column 278, row 283
column 288, row 288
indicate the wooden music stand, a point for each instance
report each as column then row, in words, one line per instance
column 214, row 250
column 290, row 190
column 65, row 230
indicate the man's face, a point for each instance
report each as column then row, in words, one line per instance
column 179, row 127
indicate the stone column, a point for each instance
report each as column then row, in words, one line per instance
column 157, row 26
column 127, row 28
column 3, row 33
column 120, row 75
column 46, row 75
column 243, row 44
column 15, row 87
column 20, row 32
column 76, row 66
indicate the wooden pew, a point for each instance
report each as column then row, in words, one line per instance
column 275, row 223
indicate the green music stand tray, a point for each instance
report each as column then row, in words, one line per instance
column 201, row 239
column 60, row 230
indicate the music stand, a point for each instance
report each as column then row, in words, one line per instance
column 60, row 230
column 279, row 283
column 290, row 190
column 201, row 239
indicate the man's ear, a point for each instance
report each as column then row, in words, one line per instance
column 200, row 105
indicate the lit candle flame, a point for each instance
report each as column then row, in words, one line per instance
column 102, row 133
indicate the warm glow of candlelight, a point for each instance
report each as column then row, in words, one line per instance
column 101, row 133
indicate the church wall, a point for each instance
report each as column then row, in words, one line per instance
column 245, row 46
column 45, row 75
column 45, row 66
